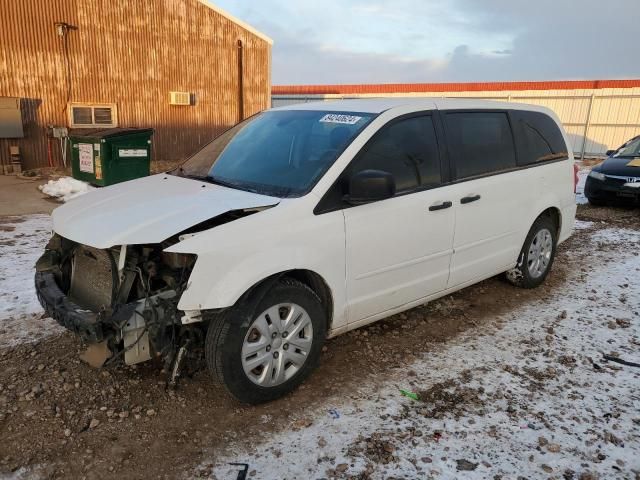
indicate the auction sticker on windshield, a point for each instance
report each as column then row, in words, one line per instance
column 337, row 118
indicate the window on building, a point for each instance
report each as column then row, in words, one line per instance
column 538, row 138
column 92, row 116
column 480, row 143
column 408, row 150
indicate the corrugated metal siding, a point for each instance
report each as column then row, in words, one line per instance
column 607, row 110
column 131, row 53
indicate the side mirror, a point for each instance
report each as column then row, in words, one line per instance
column 610, row 152
column 370, row 186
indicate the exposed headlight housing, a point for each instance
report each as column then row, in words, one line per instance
column 598, row 176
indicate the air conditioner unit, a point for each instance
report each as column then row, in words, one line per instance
column 179, row 98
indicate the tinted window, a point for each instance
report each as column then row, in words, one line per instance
column 407, row 149
column 538, row 138
column 480, row 142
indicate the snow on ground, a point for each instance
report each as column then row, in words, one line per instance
column 22, row 241
column 531, row 397
column 65, row 188
column 583, row 173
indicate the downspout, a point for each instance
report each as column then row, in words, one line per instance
column 240, row 81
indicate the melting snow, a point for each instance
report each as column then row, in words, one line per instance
column 22, row 241
column 65, row 188
column 549, row 404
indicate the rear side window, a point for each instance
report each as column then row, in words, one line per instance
column 538, row 138
column 480, row 143
column 408, row 150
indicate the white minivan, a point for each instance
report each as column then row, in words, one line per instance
column 306, row 221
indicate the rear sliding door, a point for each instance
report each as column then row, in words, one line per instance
column 488, row 193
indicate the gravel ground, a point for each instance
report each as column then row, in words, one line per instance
column 506, row 382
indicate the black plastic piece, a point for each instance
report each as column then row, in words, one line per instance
column 370, row 186
column 440, row 206
column 469, row 199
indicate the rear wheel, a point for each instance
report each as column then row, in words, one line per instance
column 263, row 348
column 536, row 256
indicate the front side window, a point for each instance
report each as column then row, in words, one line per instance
column 280, row 153
column 408, row 150
column 480, row 143
column 538, row 138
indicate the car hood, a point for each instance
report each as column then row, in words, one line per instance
column 618, row 166
column 148, row 210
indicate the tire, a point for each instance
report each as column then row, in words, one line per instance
column 539, row 246
column 596, row 202
column 280, row 366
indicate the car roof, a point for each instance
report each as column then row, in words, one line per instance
column 382, row 104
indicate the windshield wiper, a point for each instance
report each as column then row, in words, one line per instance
column 224, row 183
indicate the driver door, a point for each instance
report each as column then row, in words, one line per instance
column 399, row 250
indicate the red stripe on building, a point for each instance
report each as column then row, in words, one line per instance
column 449, row 87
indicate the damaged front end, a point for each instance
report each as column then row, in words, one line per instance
column 121, row 300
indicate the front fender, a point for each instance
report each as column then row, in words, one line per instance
column 217, row 282
column 233, row 257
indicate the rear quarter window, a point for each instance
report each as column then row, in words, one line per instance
column 480, row 143
column 538, row 138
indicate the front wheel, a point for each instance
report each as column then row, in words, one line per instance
column 536, row 256
column 263, row 348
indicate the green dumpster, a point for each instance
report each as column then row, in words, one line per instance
column 108, row 156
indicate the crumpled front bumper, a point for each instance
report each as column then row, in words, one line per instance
column 85, row 323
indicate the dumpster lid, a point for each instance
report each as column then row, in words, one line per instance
column 106, row 132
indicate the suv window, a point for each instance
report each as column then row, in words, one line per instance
column 480, row 142
column 407, row 149
column 538, row 138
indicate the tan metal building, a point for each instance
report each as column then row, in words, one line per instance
column 598, row 115
column 182, row 67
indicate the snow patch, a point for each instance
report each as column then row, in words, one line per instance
column 65, row 188
column 550, row 405
column 22, row 241
column 583, row 173
column 582, row 225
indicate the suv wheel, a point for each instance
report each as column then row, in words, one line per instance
column 536, row 256
column 263, row 348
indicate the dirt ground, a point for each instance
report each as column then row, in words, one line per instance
column 61, row 419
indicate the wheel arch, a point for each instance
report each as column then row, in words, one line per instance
column 309, row 278
column 555, row 215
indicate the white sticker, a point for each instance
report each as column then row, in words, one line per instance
column 85, row 151
column 96, row 147
column 338, row 118
column 132, row 152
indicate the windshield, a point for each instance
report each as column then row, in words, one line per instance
column 630, row 149
column 280, row 153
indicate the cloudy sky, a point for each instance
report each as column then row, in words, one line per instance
column 373, row 41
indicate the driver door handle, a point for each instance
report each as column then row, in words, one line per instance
column 440, row 206
column 469, row 199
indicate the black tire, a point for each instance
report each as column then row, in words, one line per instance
column 226, row 335
column 520, row 275
column 597, row 202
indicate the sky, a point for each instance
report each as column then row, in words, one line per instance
column 404, row 41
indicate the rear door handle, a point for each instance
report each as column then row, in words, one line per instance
column 440, row 206
column 469, row 198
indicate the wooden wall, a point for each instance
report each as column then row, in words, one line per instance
column 131, row 53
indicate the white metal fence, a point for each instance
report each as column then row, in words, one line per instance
column 595, row 120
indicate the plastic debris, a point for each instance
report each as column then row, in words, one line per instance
column 411, row 395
